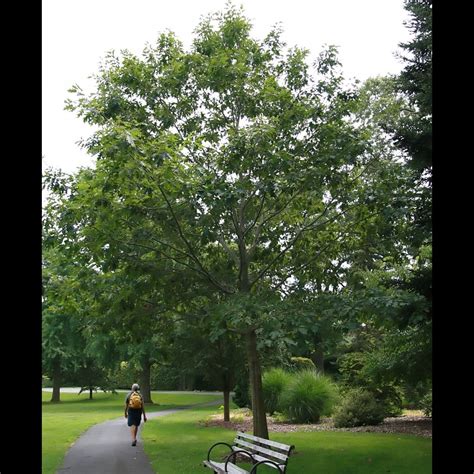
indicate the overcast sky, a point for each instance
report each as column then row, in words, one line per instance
column 77, row 34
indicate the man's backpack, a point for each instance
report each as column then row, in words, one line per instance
column 135, row 400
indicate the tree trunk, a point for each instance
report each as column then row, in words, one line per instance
column 318, row 359
column 56, row 380
column 226, row 390
column 145, row 375
column 90, row 393
column 260, row 427
column 226, row 405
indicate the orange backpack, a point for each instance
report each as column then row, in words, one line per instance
column 135, row 400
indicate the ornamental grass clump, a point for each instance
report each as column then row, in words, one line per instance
column 274, row 382
column 308, row 396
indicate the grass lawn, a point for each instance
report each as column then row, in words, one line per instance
column 63, row 423
column 177, row 444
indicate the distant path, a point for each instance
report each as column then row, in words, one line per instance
column 107, row 448
column 76, row 390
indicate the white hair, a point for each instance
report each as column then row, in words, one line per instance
column 135, row 387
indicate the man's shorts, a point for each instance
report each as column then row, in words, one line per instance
column 134, row 416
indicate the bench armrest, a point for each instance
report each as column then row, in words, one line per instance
column 213, row 446
column 234, row 453
column 254, row 468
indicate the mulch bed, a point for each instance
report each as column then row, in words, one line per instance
column 415, row 425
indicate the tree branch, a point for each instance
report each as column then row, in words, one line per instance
column 192, row 254
column 188, row 245
column 259, row 212
column 229, row 252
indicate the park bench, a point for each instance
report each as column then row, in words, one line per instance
column 257, row 450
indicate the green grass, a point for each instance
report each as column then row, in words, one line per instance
column 177, row 444
column 64, row 422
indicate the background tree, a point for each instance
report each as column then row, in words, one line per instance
column 414, row 133
column 90, row 376
column 415, row 136
column 62, row 340
column 405, row 354
column 204, row 348
column 133, row 313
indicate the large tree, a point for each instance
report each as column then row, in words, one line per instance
column 414, row 133
column 62, row 340
column 237, row 161
column 61, row 337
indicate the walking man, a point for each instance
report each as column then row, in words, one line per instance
column 134, row 407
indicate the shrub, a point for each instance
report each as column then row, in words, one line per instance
column 390, row 397
column 350, row 367
column 426, row 404
column 358, row 408
column 274, row 381
column 308, row 396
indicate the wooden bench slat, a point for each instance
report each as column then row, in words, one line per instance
column 219, row 467
column 261, row 450
column 262, row 458
column 215, row 466
column 257, row 457
column 275, row 444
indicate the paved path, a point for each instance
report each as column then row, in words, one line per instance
column 106, row 448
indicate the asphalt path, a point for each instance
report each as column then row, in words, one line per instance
column 106, row 448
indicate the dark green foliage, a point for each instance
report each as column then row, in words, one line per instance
column 89, row 375
column 308, row 396
column 414, row 134
column 403, row 356
column 426, row 404
column 124, row 376
column 413, row 394
column 390, row 397
column 355, row 373
column 274, row 381
column 350, row 367
column 241, row 395
column 358, row 408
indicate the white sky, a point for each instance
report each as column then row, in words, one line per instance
column 77, row 34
